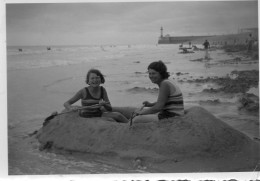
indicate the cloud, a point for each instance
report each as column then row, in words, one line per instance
column 122, row 22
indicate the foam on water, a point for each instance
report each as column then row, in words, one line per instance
column 254, row 91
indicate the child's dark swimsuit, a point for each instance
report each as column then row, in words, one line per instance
column 89, row 100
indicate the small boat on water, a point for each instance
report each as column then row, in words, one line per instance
column 186, row 49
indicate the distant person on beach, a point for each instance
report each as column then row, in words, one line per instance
column 250, row 43
column 235, row 41
column 170, row 99
column 95, row 97
column 206, row 47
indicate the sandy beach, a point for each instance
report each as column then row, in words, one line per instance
column 36, row 89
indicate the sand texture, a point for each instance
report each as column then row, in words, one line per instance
column 198, row 141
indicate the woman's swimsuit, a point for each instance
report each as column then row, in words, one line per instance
column 89, row 100
column 174, row 105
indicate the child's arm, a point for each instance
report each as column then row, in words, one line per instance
column 75, row 98
column 106, row 103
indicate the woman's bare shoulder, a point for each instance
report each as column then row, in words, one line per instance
column 170, row 84
column 167, row 82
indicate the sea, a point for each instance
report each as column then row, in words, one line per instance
column 39, row 81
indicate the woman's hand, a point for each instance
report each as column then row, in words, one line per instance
column 147, row 104
column 139, row 111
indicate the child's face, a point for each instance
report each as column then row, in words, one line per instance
column 94, row 80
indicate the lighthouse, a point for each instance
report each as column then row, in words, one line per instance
column 161, row 32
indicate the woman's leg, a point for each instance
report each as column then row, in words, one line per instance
column 146, row 118
column 116, row 116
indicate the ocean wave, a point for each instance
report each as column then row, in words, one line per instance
column 143, row 89
column 32, row 64
column 40, row 57
column 58, row 81
column 23, row 50
column 30, row 57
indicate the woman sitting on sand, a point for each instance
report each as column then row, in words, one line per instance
column 95, row 97
column 170, row 100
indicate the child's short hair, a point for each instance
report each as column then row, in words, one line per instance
column 95, row 71
column 160, row 67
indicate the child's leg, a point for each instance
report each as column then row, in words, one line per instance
column 146, row 118
column 116, row 116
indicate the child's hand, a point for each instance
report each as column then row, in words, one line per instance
column 102, row 102
column 74, row 108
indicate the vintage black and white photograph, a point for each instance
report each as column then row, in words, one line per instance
column 132, row 87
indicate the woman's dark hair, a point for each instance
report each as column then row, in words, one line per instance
column 160, row 67
column 98, row 73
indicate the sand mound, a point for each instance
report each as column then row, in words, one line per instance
column 198, row 133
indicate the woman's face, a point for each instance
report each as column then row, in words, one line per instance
column 154, row 76
column 94, row 80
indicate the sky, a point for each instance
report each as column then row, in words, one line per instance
column 90, row 23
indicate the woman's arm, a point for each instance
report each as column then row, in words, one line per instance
column 106, row 101
column 72, row 100
column 164, row 92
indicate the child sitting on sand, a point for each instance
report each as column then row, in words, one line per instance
column 95, row 97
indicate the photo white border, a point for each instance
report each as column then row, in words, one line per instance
column 241, row 176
